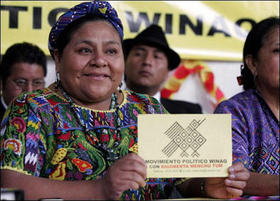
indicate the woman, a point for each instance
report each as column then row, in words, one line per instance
column 255, row 112
column 81, row 132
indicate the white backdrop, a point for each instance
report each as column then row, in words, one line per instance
column 225, row 74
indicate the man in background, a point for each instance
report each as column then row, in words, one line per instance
column 22, row 68
column 148, row 60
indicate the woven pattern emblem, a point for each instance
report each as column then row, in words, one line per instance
column 189, row 140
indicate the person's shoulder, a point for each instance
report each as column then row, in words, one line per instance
column 240, row 100
column 179, row 107
column 243, row 97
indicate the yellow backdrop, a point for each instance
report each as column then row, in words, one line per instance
column 204, row 30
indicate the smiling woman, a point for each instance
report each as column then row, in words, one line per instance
column 86, row 129
column 91, row 65
column 76, row 138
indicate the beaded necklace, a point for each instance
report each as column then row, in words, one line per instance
column 109, row 152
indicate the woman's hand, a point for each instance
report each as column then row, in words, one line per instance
column 229, row 187
column 126, row 173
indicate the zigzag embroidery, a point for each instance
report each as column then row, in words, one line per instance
column 31, row 158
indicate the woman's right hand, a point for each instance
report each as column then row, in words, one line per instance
column 126, row 173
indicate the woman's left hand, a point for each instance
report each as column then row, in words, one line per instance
column 229, row 187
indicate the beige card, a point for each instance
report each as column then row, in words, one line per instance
column 185, row 145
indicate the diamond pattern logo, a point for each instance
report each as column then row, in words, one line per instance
column 187, row 140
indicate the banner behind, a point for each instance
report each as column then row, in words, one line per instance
column 204, row 30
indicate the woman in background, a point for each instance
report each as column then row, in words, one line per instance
column 255, row 112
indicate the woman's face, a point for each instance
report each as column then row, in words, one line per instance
column 92, row 64
column 267, row 63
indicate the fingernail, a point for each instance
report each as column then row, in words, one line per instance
column 227, row 181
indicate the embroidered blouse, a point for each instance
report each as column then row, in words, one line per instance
column 41, row 136
column 255, row 132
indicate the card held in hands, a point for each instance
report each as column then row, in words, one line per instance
column 185, row 145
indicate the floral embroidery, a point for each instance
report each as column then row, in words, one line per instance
column 14, row 145
column 81, row 164
column 104, row 137
column 64, row 136
column 134, row 148
column 59, row 172
column 58, row 156
column 62, row 150
column 19, row 123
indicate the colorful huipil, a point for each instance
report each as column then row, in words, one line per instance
column 41, row 136
column 255, row 132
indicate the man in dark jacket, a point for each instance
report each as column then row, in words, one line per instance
column 148, row 60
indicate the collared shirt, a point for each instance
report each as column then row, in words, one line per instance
column 157, row 96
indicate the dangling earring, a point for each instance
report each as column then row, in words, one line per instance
column 57, row 83
column 255, row 74
column 239, row 78
column 120, row 86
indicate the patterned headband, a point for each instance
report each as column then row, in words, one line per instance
column 94, row 8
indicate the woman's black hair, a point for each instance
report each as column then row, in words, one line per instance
column 253, row 44
column 21, row 52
